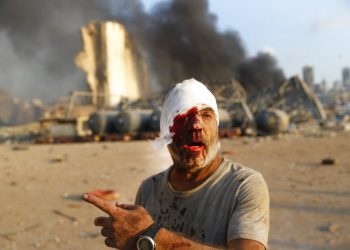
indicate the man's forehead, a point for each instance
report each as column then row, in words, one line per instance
column 199, row 108
column 207, row 109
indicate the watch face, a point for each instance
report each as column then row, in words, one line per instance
column 145, row 243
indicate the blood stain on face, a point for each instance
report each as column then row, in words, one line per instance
column 182, row 124
column 194, row 135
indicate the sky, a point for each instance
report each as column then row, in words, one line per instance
column 297, row 33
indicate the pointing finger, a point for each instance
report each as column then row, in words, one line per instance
column 110, row 242
column 108, row 233
column 126, row 206
column 99, row 203
column 106, row 222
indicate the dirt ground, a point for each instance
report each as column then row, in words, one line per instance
column 41, row 186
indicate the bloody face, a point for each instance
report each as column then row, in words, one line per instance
column 195, row 139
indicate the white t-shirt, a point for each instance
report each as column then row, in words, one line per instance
column 232, row 203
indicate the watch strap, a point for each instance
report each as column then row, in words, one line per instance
column 152, row 230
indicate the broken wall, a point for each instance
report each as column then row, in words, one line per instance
column 114, row 68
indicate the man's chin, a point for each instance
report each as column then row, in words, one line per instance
column 192, row 165
column 192, row 161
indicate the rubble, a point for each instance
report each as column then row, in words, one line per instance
column 292, row 96
column 20, row 148
column 16, row 112
column 328, row 161
column 105, row 194
column 330, row 227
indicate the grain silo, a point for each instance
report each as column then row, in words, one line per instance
column 112, row 63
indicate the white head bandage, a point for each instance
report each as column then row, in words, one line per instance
column 184, row 96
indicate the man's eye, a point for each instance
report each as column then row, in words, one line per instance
column 207, row 115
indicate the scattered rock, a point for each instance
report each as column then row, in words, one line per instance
column 106, row 194
column 56, row 160
column 328, row 161
column 19, row 148
column 333, row 228
column 90, row 234
column 330, row 227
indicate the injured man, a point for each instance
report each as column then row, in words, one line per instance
column 203, row 200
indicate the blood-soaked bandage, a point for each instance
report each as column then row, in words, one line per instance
column 183, row 97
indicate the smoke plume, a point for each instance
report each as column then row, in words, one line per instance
column 38, row 41
column 178, row 39
column 260, row 71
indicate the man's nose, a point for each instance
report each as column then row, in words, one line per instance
column 196, row 121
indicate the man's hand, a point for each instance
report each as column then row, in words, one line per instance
column 123, row 224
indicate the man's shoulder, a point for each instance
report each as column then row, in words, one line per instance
column 236, row 175
column 236, row 169
column 155, row 179
column 150, row 187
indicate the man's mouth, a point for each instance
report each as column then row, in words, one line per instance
column 195, row 146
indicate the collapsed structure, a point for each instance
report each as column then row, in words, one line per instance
column 14, row 111
column 118, row 101
column 292, row 96
column 232, row 97
column 114, row 68
column 115, row 72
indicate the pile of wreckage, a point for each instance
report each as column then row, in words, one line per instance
column 120, row 108
column 274, row 110
column 116, row 107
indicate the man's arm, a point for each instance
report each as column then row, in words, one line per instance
column 250, row 219
column 245, row 244
column 125, row 222
column 166, row 239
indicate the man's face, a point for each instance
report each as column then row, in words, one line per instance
column 195, row 139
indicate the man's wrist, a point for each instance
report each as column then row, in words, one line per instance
column 146, row 241
column 152, row 230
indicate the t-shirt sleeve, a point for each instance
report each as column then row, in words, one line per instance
column 138, row 197
column 250, row 217
column 141, row 194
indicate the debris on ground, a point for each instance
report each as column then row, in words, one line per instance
column 328, row 161
column 106, row 194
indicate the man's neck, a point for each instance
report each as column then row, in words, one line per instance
column 184, row 180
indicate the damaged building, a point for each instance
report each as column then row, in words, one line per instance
column 15, row 112
column 114, row 68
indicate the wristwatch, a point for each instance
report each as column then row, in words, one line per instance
column 146, row 239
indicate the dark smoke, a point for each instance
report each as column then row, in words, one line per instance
column 38, row 41
column 179, row 39
column 260, row 71
column 186, row 41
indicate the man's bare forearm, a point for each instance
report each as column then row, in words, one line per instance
column 166, row 239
